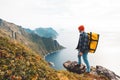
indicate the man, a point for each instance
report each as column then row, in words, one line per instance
column 83, row 48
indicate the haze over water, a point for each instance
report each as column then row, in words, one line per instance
column 107, row 53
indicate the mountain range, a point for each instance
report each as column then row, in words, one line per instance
column 41, row 40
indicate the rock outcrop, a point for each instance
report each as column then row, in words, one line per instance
column 73, row 67
column 98, row 70
column 110, row 74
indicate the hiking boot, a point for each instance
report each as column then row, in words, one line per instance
column 82, row 66
column 88, row 70
column 78, row 65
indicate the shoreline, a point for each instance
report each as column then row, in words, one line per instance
column 52, row 53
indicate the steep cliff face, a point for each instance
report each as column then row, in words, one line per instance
column 32, row 40
column 13, row 31
column 52, row 46
column 47, row 35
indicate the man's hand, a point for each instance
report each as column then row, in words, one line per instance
column 80, row 53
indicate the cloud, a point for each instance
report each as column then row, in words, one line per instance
column 61, row 13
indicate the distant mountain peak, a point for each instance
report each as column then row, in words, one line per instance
column 46, row 32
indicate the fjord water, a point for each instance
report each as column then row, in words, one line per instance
column 107, row 53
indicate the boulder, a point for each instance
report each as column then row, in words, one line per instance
column 109, row 74
column 72, row 66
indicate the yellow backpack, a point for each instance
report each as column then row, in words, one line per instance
column 93, row 41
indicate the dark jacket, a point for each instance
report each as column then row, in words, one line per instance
column 83, row 43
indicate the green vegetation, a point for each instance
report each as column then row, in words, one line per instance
column 17, row 62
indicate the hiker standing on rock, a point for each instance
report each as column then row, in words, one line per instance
column 83, row 48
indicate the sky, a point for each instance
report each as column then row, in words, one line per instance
column 95, row 15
